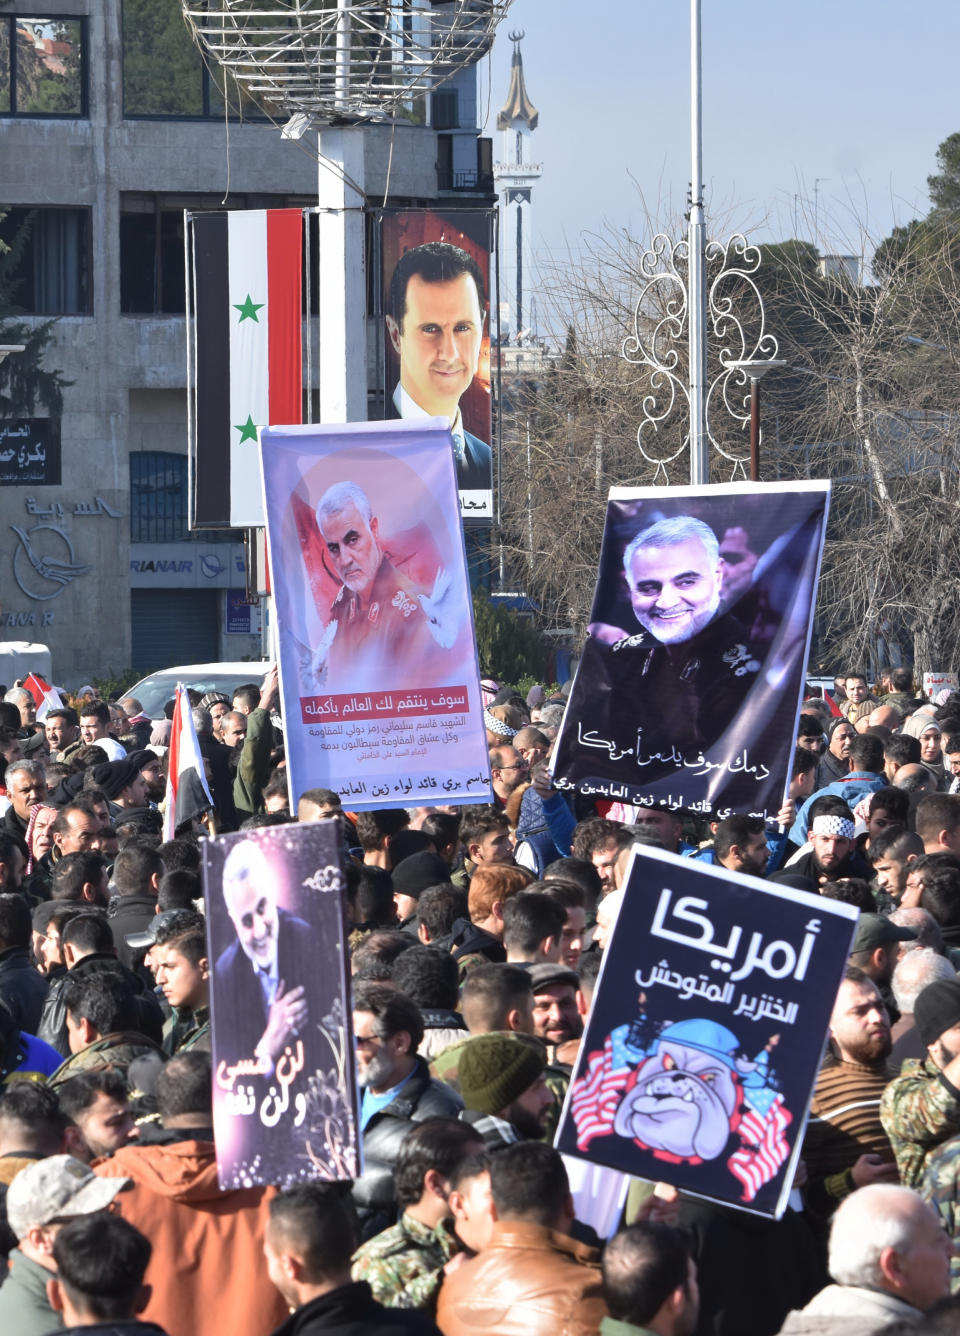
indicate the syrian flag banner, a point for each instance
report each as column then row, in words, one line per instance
column 187, row 793
column 243, row 351
column 710, row 1013
column 45, row 697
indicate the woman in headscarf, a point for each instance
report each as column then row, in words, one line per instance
column 923, row 726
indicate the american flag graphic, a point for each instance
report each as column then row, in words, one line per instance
column 597, row 1093
column 764, row 1147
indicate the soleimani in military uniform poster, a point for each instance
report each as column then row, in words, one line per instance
column 691, row 679
column 378, row 663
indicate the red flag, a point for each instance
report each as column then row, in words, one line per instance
column 45, row 697
column 187, row 793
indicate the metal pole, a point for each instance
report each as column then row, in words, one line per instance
column 754, row 430
column 696, row 269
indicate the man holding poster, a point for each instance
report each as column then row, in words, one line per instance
column 689, row 685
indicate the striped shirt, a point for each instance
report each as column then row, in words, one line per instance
column 844, row 1124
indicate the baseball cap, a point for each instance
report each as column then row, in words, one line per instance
column 58, row 1188
column 139, row 941
column 874, row 930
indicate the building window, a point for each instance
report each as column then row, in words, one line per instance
column 158, row 497
column 445, row 109
column 42, row 66
column 51, row 275
column 151, row 260
column 164, row 73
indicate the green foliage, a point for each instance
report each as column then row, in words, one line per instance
column 508, row 646
column 24, row 381
column 162, row 69
column 944, row 187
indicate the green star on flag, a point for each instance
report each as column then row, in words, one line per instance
column 248, row 309
column 247, row 430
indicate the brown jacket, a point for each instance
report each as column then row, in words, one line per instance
column 529, row 1281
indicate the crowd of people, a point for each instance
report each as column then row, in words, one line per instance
column 476, row 938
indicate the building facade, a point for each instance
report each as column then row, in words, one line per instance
column 112, row 128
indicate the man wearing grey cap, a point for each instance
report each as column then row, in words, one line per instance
column 876, row 948
column 40, row 1199
column 921, row 1108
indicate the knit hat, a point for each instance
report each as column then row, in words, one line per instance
column 417, row 872
column 114, row 776
column 937, row 1009
column 494, row 1070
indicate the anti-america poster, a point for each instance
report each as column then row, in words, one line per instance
column 374, row 621
column 436, row 315
column 284, row 1087
column 707, row 1031
column 691, row 678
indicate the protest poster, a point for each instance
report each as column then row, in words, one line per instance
column 691, row 679
column 377, row 654
column 707, row 1030
column 284, row 1086
column 436, row 303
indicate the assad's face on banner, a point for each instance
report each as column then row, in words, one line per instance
column 674, row 590
column 353, row 543
column 252, row 906
column 438, row 341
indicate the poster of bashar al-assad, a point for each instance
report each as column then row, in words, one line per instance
column 436, row 301
column 284, row 1087
column 707, row 1031
column 691, row 679
column 378, row 661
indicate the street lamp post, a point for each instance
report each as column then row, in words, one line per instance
column 756, row 370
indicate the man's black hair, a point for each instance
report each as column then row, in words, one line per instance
column 374, row 958
column 392, row 1012
column 184, row 1085
column 34, row 1112
column 642, row 1266
column 941, row 892
column 248, row 695
column 828, row 805
column 373, row 897
column 866, row 753
column 588, row 967
column 442, row 827
column 183, row 853
column 321, row 798
column 895, row 802
column 373, row 826
column 736, row 829
column 895, row 843
column 528, row 919
column 936, row 812
column 593, row 835
column 902, row 749
column 15, row 923
column 491, row 992
column 528, row 1182
column 901, row 679
column 103, row 998
column 101, row 1261
column 181, row 921
column 407, row 842
column 439, row 907
column 64, row 712
column 314, row 1222
column 809, row 726
column 276, row 785
column 95, row 708
column 81, row 1092
column 580, row 870
column 950, row 743
column 178, row 890
column 434, row 262
column 89, row 932
column 72, row 872
column 856, row 673
column 133, row 868
column 477, row 821
column 429, row 977
column 8, row 845
column 566, row 894
column 851, row 891
column 435, row 1143
column 261, row 819
column 803, row 762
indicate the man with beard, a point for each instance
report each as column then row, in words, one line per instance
column 504, row 1086
column 556, row 1019
column 876, row 948
column 835, row 761
column 845, row 1146
column 921, row 1108
column 832, row 854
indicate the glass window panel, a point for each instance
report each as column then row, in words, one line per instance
column 162, row 69
column 4, row 67
column 51, row 274
column 49, row 78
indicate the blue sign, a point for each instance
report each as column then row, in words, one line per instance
column 238, row 613
column 707, row 1031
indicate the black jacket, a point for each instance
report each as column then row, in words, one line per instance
column 130, row 913
column 125, row 1327
column 10, row 824
column 351, row 1310
column 148, row 1019
column 53, row 1022
column 420, row 1098
column 22, row 987
column 470, row 940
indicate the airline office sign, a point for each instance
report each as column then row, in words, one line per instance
column 186, row 565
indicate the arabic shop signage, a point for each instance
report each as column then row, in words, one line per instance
column 30, row 452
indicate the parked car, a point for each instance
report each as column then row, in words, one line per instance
column 154, row 691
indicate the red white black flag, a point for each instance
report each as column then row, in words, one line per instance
column 244, row 351
column 187, row 793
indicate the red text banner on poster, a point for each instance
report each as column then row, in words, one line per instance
column 422, row 701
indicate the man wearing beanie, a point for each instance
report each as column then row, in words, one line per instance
column 411, row 878
column 123, row 784
column 504, row 1087
column 921, row 1108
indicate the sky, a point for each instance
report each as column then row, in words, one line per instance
column 821, row 117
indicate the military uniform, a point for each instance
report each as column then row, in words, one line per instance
column 404, row 1264
column 384, row 627
column 116, row 1051
column 919, row 1110
column 185, row 1029
column 941, row 1188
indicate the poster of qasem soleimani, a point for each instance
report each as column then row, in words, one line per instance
column 691, row 678
column 707, row 1030
column 436, row 313
column 377, row 653
column 284, row 1087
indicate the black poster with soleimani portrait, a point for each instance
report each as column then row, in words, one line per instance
column 691, row 679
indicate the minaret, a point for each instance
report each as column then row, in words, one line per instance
column 515, row 176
